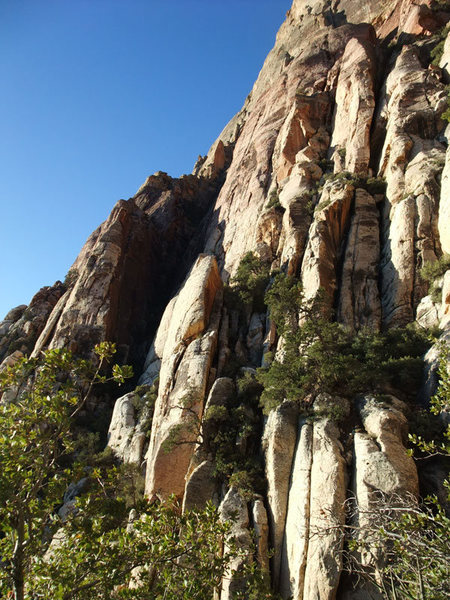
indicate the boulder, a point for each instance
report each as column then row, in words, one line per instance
column 261, row 529
column 296, row 538
column 200, row 486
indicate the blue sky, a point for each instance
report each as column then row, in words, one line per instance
column 99, row 94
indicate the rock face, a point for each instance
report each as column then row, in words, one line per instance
column 279, row 443
column 336, row 171
column 234, row 507
column 22, row 326
column 355, row 103
column 186, row 357
column 359, row 302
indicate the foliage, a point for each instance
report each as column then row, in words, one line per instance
column 70, row 278
column 250, row 282
column 165, row 553
column 426, row 444
column 437, row 52
column 432, row 271
column 274, row 202
column 98, row 547
column 190, row 429
column 40, row 399
column 144, row 402
column 232, row 433
column 373, row 185
column 400, row 548
column 318, row 355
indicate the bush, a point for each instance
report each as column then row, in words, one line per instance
column 431, row 272
column 43, row 397
column 274, row 202
column 232, row 435
column 437, row 52
column 70, row 278
column 319, row 355
column 250, row 282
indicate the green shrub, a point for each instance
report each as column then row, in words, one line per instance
column 250, row 282
column 70, row 278
column 322, row 204
column 431, row 272
column 232, row 435
column 242, row 481
column 374, row 185
column 274, row 202
column 322, row 356
column 438, row 50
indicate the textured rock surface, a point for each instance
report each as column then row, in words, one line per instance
column 261, row 528
column 355, row 103
column 384, row 473
column 24, row 324
column 381, row 459
column 347, row 93
column 185, row 364
column 235, row 508
column 280, row 435
column 296, row 539
column 444, row 206
column 127, row 434
column 327, row 512
column 131, row 265
column 200, row 486
column 410, row 160
column 320, row 262
column 359, row 302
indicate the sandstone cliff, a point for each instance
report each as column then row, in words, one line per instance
column 336, row 171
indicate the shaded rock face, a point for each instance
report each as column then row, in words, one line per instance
column 336, row 171
column 130, row 266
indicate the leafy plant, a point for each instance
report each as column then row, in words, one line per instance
column 250, row 282
column 432, row 271
column 40, row 399
column 439, row 442
column 160, row 552
column 319, row 355
column 70, row 278
column 437, row 52
column 231, row 434
column 274, row 201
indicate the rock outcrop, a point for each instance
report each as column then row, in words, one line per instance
column 336, row 171
column 186, row 358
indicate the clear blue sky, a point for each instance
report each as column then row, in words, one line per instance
column 99, row 94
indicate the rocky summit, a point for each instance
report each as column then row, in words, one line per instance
column 335, row 173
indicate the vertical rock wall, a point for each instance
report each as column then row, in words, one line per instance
column 336, row 170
